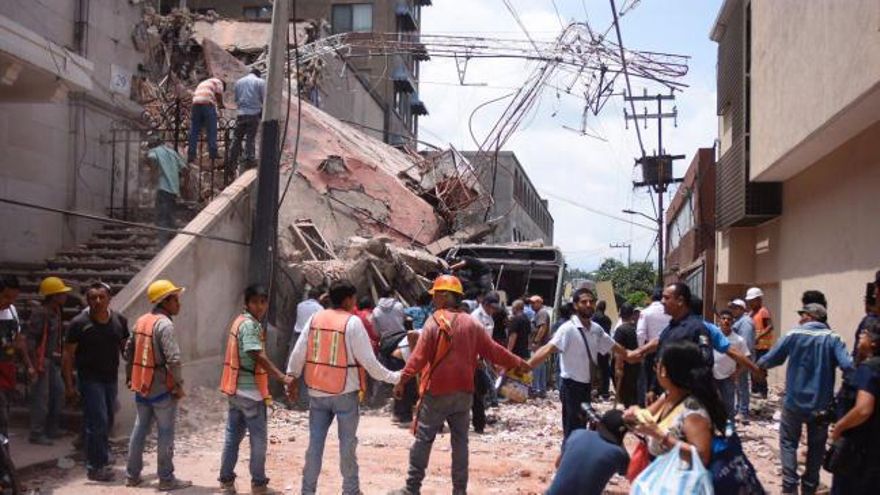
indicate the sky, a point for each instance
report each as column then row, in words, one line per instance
column 567, row 168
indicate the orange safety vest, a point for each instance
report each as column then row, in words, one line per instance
column 143, row 362
column 327, row 360
column 232, row 364
column 444, row 341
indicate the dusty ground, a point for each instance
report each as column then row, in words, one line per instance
column 515, row 456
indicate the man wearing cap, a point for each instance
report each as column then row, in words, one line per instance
column 745, row 328
column 540, row 336
column 763, row 322
column 154, row 375
column 445, row 358
column 45, row 332
column 813, row 352
column 94, row 342
column 591, row 458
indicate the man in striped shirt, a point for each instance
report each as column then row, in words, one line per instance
column 207, row 98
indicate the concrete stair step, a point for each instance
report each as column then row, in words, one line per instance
column 93, row 264
column 123, row 234
column 139, row 254
column 86, row 275
column 138, row 244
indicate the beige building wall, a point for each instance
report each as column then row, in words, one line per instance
column 811, row 63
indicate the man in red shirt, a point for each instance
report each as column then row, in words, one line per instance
column 446, row 358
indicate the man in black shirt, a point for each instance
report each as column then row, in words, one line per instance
column 95, row 341
column 626, row 375
column 520, row 328
column 604, row 360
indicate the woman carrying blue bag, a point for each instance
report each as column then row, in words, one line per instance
column 681, row 427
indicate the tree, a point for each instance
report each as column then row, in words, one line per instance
column 627, row 280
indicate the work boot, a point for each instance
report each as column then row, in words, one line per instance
column 133, row 481
column 263, row 490
column 228, row 487
column 173, row 484
column 102, row 475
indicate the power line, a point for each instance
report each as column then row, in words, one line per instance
column 626, row 72
column 596, row 211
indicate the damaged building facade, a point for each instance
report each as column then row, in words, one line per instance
column 67, row 72
column 377, row 93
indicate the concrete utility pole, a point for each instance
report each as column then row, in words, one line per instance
column 265, row 224
column 657, row 169
column 624, row 245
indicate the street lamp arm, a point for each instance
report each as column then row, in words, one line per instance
column 633, row 212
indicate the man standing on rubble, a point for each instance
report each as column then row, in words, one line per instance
column 483, row 376
column 338, row 352
column 206, row 100
column 250, row 92
column 169, row 165
column 579, row 341
column 540, row 336
column 154, row 376
column 445, row 358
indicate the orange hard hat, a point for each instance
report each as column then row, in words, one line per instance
column 448, row 283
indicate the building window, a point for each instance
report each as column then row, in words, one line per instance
column 694, row 281
column 257, row 13
column 356, row 17
column 681, row 224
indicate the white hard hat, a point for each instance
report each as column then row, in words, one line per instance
column 754, row 293
column 740, row 303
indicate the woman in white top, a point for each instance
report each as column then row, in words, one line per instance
column 690, row 410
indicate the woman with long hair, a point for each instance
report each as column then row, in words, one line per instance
column 691, row 410
column 861, row 422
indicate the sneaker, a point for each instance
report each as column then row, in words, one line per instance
column 228, row 487
column 132, row 482
column 102, row 475
column 173, row 484
column 40, row 440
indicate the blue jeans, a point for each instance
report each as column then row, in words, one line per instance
column 245, row 415
column 742, row 395
column 727, row 390
column 789, row 435
column 163, row 412
column 47, row 399
column 203, row 117
column 98, row 400
column 322, row 410
column 539, row 378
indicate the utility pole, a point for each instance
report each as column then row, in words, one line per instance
column 265, row 223
column 657, row 169
column 624, row 245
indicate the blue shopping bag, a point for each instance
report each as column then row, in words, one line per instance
column 669, row 475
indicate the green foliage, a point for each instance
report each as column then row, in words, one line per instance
column 637, row 298
column 629, row 280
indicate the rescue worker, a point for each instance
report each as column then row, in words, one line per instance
column 338, row 351
column 45, row 341
column 153, row 373
column 446, row 358
column 245, row 380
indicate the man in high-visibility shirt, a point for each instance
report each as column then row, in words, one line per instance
column 764, row 337
column 153, row 373
column 332, row 360
column 446, row 358
column 245, row 380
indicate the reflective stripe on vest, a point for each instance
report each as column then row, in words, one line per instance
column 143, row 362
column 232, row 364
column 327, row 360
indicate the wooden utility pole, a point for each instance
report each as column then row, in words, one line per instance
column 265, row 223
column 624, row 245
column 657, row 169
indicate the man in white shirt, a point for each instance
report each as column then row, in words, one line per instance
column 304, row 312
column 483, row 376
column 725, row 370
column 488, row 306
column 334, row 394
column 579, row 342
column 651, row 323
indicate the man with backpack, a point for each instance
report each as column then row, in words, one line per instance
column 332, row 361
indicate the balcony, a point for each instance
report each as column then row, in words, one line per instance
column 406, row 16
column 741, row 203
column 417, row 106
column 403, row 80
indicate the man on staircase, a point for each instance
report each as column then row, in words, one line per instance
column 154, row 376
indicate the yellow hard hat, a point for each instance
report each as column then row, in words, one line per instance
column 160, row 289
column 53, row 285
column 448, row 283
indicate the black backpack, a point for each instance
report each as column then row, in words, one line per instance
column 388, row 342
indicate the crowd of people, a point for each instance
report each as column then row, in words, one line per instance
column 684, row 383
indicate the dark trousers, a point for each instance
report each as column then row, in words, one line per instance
column 760, row 388
column 165, row 214
column 403, row 407
column 245, row 130
column 478, row 408
column 203, row 117
column 572, row 395
column 98, row 401
column 604, row 364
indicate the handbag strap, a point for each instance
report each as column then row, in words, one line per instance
column 587, row 345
